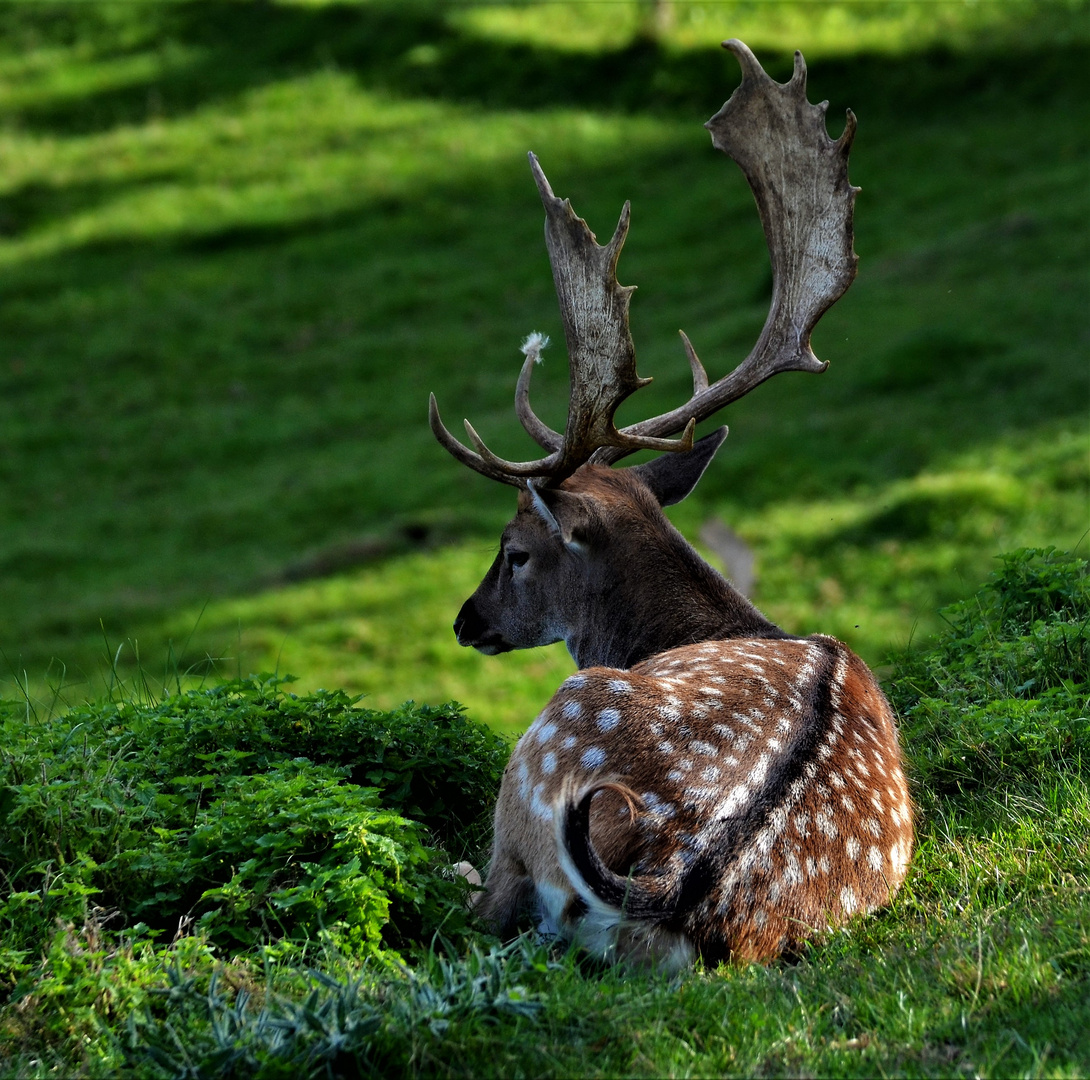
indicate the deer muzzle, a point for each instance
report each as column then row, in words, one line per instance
column 473, row 632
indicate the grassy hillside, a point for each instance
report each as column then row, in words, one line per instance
column 238, row 247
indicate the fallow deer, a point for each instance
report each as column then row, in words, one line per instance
column 706, row 784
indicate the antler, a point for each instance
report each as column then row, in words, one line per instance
column 799, row 178
column 601, row 356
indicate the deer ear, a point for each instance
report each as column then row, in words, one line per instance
column 672, row 476
column 564, row 512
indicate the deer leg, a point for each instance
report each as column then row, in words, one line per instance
column 509, row 893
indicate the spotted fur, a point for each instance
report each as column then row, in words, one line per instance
column 772, row 803
column 706, row 783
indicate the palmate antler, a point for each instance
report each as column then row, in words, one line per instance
column 799, row 178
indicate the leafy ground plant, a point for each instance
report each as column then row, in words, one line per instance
column 243, row 812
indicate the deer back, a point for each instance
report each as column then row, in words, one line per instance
column 731, row 798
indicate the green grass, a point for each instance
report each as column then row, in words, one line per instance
column 981, row 966
column 238, row 247
column 236, row 253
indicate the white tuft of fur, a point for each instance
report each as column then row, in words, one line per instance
column 534, row 345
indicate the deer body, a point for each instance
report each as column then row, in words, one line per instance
column 723, row 788
column 706, row 783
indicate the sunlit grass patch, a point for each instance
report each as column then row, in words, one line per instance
column 827, row 30
column 311, row 147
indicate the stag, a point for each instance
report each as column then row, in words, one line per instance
column 707, row 783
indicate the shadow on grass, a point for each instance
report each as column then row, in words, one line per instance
column 214, row 50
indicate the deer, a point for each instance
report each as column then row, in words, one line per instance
column 706, row 785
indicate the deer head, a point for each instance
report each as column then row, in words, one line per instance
column 585, row 537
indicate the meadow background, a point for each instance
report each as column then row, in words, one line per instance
column 239, row 243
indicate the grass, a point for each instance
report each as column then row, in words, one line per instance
column 980, row 966
column 236, row 255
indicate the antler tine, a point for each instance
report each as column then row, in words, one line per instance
column 540, row 432
column 489, row 465
column 799, row 179
column 700, row 376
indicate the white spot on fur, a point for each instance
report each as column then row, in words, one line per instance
column 546, row 732
column 704, row 748
column 593, row 757
column 620, row 686
column 852, row 847
column 758, row 772
column 701, row 794
column 666, row 747
column 570, row 742
column 847, row 900
column 874, row 858
column 540, row 808
column 572, row 710
column 777, row 820
column 548, row 763
column 608, row 719
column 898, row 855
column 738, row 797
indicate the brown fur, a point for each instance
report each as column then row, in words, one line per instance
column 766, row 767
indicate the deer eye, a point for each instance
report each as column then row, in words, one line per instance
column 516, row 557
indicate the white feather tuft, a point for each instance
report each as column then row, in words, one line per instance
column 534, row 345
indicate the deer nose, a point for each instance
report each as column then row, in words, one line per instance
column 465, row 623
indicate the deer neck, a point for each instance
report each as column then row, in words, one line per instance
column 665, row 596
